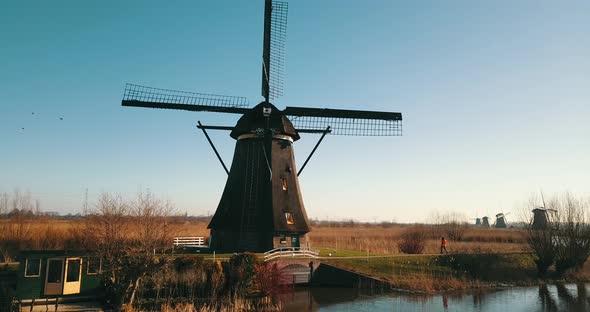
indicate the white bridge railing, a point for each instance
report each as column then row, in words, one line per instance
column 290, row 252
column 192, row 241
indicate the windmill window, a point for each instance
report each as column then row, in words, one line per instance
column 283, row 239
column 33, row 268
column 284, row 180
column 289, row 218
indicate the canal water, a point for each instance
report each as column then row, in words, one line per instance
column 562, row 297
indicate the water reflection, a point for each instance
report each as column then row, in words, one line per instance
column 560, row 297
column 549, row 298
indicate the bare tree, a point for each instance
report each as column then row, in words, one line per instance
column 565, row 239
column 452, row 223
column 106, row 227
column 4, row 200
column 19, row 202
column 125, row 234
column 15, row 233
column 574, row 234
column 22, row 202
column 151, row 221
column 542, row 240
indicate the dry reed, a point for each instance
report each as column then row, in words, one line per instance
column 375, row 238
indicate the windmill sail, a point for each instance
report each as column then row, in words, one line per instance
column 346, row 122
column 142, row 96
column 273, row 52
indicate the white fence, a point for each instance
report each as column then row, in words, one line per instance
column 290, row 252
column 189, row 242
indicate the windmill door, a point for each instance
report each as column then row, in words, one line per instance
column 73, row 276
column 295, row 241
column 54, row 277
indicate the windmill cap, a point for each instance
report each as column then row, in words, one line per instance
column 256, row 118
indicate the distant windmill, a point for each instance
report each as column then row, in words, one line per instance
column 485, row 222
column 501, row 220
column 477, row 221
column 261, row 206
column 541, row 218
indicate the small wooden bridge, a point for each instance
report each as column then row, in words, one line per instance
column 294, row 263
column 290, row 252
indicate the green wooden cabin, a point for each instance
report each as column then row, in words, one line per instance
column 58, row 273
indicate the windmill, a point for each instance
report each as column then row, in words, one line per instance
column 485, row 221
column 477, row 220
column 501, row 220
column 543, row 216
column 261, row 206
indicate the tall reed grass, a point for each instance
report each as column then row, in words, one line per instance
column 48, row 233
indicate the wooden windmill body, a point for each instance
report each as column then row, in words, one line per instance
column 501, row 221
column 542, row 218
column 262, row 199
column 261, row 206
column 485, row 222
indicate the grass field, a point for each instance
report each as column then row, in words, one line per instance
column 481, row 258
column 383, row 240
column 430, row 273
column 374, row 239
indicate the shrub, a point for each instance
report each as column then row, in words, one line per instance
column 184, row 263
column 242, row 269
column 412, row 241
column 573, row 248
column 542, row 243
column 270, row 279
column 455, row 230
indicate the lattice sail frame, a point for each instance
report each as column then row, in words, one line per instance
column 135, row 92
column 348, row 126
column 278, row 41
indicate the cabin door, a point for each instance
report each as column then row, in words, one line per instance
column 54, row 277
column 73, row 276
column 295, row 241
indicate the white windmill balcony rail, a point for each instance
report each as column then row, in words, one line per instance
column 189, row 241
column 290, row 252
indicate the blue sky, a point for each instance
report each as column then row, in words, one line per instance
column 494, row 97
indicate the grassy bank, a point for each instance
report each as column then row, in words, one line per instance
column 432, row 273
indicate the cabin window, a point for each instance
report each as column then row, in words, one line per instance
column 289, row 218
column 93, row 266
column 33, row 267
column 54, row 270
column 284, row 183
column 73, row 270
column 283, row 239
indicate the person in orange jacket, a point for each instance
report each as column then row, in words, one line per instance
column 443, row 245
